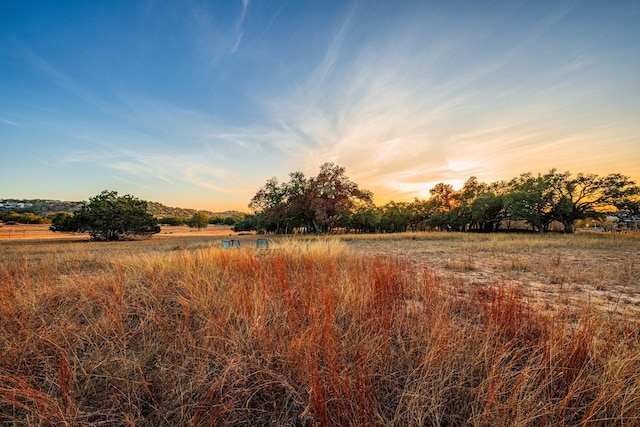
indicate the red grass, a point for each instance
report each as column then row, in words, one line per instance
column 297, row 337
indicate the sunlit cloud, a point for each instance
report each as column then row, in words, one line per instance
column 403, row 96
column 375, row 120
column 400, row 128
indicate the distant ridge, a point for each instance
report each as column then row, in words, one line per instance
column 48, row 206
column 160, row 211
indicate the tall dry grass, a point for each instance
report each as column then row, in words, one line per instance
column 306, row 334
column 559, row 271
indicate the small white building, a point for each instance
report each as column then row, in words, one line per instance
column 14, row 205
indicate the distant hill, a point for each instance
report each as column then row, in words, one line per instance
column 39, row 206
column 48, row 207
column 161, row 211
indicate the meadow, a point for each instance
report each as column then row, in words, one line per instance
column 427, row 329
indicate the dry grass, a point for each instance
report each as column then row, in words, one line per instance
column 556, row 271
column 12, row 232
column 309, row 333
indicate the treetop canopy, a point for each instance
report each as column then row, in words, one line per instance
column 319, row 204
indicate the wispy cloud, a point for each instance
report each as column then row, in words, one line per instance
column 402, row 121
column 323, row 73
column 402, row 96
column 178, row 149
column 239, row 30
column 9, row 122
column 171, row 171
column 56, row 75
column 374, row 119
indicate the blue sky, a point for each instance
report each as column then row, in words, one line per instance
column 197, row 103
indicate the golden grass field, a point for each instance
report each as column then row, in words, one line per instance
column 407, row 329
column 41, row 231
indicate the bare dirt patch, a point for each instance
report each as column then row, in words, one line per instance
column 30, row 231
column 551, row 271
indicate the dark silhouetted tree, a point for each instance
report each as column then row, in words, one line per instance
column 588, row 196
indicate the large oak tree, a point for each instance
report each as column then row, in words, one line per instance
column 317, row 203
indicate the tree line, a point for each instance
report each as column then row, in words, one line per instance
column 197, row 220
column 331, row 201
column 24, row 217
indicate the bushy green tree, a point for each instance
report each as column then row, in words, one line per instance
column 172, row 220
column 364, row 220
column 108, row 216
column 247, row 223
column 222, row 220
column 59, row 219
column 24, row 217
column 422, row 210
column 198, row 220
column 395, row 217
column 530, row 198
column 486, row 211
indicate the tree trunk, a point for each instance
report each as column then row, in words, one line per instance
column 568, row 226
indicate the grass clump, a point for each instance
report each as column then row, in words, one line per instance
column 304, row 334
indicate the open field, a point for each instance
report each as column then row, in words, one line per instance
column 42, row 232
column 412, row 329
column 551, row 270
